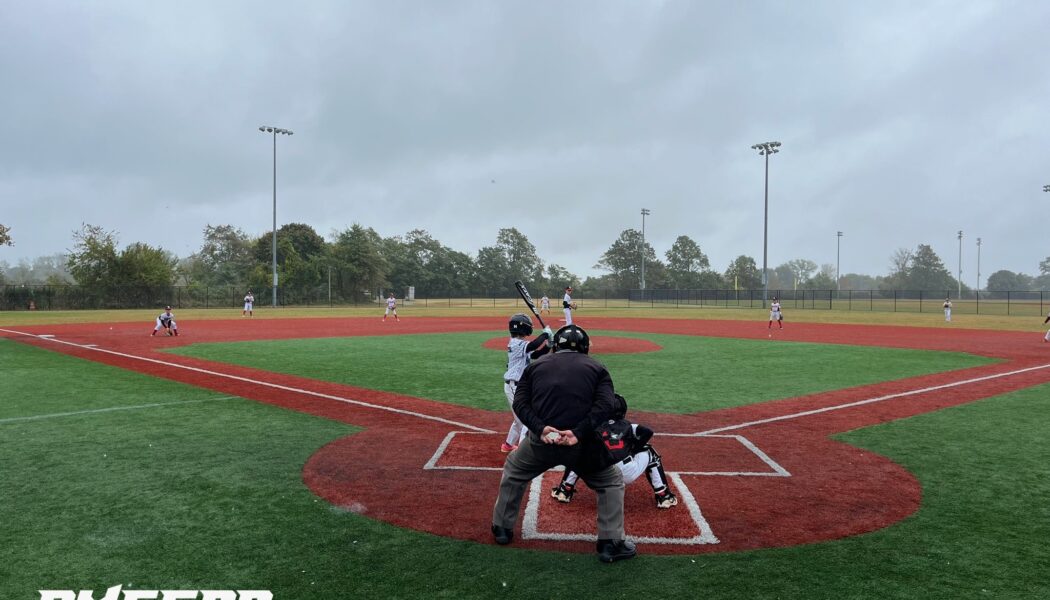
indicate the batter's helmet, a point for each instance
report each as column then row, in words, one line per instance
column 520, row 324
column 572, row 337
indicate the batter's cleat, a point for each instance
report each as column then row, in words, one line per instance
column 666, row 499
column 505, row 448
column 563, row 493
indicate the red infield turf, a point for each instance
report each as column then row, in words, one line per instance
column 756, row 476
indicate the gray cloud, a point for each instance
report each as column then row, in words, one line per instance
column 901, row 124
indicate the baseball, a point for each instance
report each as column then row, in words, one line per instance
column 553, row 436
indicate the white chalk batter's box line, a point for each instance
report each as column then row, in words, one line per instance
column 776, row 469
column 705, row 535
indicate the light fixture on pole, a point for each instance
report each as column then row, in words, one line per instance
column 645, row 212
column 959, row 280
column 275, row 131
column 838, row 262
column 978, row 265
column 765, row 149
column 1046, row 188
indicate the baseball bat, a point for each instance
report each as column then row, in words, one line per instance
column 528, row 301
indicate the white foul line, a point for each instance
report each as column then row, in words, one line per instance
column 256, row 382
column 106, row 410
column 816, row 411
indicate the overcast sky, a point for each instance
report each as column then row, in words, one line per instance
column 901, row 123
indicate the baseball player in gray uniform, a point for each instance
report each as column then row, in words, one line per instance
column 519, row 352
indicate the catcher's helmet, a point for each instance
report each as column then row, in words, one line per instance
column 520, row 324
column 572, row 337
column 621, row 407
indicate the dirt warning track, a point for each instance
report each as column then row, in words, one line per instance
column 756, row 476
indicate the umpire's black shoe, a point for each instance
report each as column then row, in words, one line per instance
column 502, row 534
column 612, row 551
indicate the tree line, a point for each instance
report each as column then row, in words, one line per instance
column 358, row 263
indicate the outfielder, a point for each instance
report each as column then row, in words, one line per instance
column 775, row 314
column 391, row 307
column 519, row 353
column 249, row 302
column 167, row 321
column 628, row 444
column 947, row 309
column 1046, row 338
column 568, row 305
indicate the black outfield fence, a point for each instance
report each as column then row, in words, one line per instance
column 74, row 297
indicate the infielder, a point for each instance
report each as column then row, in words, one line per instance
column 519, row 353
column 568, row 305
column 628, row 444
column 775, row 314
column 249, row 302
column 391, row 307
column 167, row 321
column 947, row 309
column 545, row 305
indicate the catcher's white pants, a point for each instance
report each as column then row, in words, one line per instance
column 632, row 469
column 517, row 431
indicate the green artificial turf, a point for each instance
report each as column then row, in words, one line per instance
column 209, row 495
column 689, row 374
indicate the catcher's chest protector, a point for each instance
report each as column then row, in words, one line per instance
column 617, row 437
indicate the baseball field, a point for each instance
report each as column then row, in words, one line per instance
column 325, row 454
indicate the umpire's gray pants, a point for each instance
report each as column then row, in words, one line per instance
column 532, row 458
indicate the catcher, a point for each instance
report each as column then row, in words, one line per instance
column 166, row 320
column 627, row 444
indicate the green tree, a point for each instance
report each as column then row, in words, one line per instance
column 743, row 274
column 225, row 257
column 824, row 280
column 900, row 266
column 513, row 257
column 623, row 260
column 927, row 272
column 5, row 235
column 802, row 269
column 686, row 263
column 93, row 259
column 558, row 278
column 855, row 281
column 358, row 261
column 143, row 266
column 302, row 260
column 418, row 260
column 1008, row 281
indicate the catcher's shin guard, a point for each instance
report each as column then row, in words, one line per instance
column 655, row 471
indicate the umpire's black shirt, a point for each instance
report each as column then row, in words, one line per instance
column 566, row 390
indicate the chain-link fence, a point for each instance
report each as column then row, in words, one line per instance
column 74, row 297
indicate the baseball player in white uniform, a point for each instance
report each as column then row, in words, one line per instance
column 1046, row 338
column 519, row 352
column 249, row 302
column 627, row 443
column 948, row 309
column 545, row 305
column 567, row 305
column 166, row 320
column 775, row 314
column 391, row 307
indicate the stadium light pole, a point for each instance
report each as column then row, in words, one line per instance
column 978, row 265
column 765, row 149
column 838, row 262
column 645, row 212
column 959, row 280
column 274, row 131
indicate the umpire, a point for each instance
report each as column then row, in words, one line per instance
column 561, row 398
